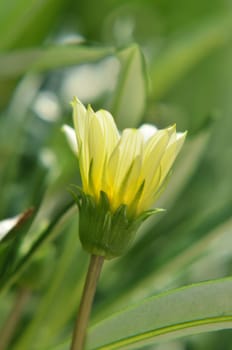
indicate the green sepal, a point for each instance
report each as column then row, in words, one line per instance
column 102, row 231
column 146, row 214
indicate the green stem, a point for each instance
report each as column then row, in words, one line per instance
column 93, row 274
column 8, row 330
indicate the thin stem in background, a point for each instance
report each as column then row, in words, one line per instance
column 92, row 277
column 10, row 325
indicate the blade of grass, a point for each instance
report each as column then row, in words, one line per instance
column 18, row 62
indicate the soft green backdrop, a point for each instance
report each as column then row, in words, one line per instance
column 154, row 61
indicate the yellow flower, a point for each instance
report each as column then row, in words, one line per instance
column 128, row 168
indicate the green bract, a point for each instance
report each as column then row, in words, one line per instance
column 103, row 232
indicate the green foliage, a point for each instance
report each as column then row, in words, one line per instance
column 194, row 309
column 36, row 60
column 148, row 61
column 131, row 86
column 11, row 232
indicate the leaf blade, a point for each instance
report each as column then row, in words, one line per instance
column 178, row 310
column 18, row 62
column 130, row 96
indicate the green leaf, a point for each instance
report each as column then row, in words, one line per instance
column 197, row 308
column 11, row 225
column 18, row 62
column 131, row 92
column 61, row 299
column 173, row 269
column 20, row 21
column 184, row 52
column 12, row 232
column 9, row 277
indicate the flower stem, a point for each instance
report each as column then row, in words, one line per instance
column 89, row 290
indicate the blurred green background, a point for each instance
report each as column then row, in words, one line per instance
column 159, row 62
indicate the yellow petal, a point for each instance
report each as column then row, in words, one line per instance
column 80, row 119
column 154, row 150
column 128, row 148
column 110, row 139
column 173, row 148
column 110, row 131
column 130, row 184
column 170, row 155
column 81, row 124
column 147, row 197
column 97, row 152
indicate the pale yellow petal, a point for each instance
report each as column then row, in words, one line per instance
column 130, row 184
column 111, row 138
column 154, row 150
column 171, row 152
column 170, row 155
column 84, row 168
column 128, row 148
column 148, row 194
column 110, row 131
column 81, row 124
column 80, row 119
column 97, row 152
